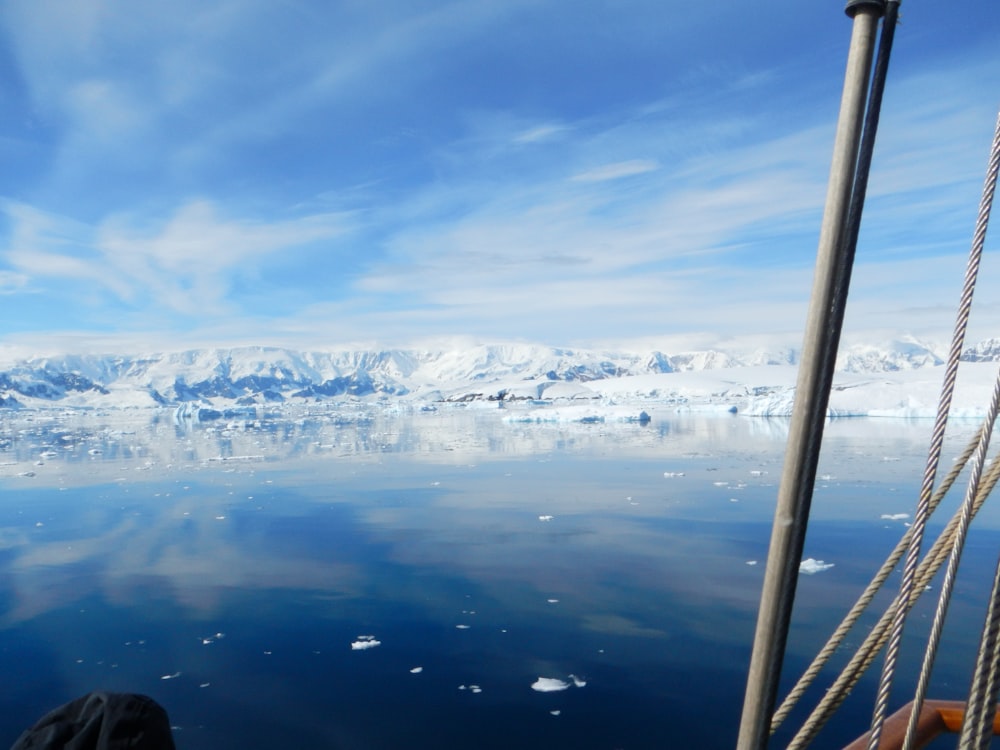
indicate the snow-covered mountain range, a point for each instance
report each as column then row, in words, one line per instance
column 252, row 377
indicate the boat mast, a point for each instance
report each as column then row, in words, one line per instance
column 815, row 377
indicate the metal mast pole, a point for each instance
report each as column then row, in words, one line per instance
column 822, row 337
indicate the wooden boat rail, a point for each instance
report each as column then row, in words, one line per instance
column 936, row 718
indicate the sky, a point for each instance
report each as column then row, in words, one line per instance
column 326, row 173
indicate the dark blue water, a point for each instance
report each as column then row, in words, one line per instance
column 226, row 570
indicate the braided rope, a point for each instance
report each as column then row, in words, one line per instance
column 948, row 584
column 937, row 439
column 835, row 640
column 982, row 694
column 876, row 639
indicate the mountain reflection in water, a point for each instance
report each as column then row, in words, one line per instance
column 359, row 579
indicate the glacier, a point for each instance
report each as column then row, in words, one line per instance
column 896, row 378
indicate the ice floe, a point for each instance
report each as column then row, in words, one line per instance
column 549, row 685
column 365, row 642
column 584, row 414
column 545, row 518
column 554, row 684
column 809, row 566
column 416, row 670
column 895, row 516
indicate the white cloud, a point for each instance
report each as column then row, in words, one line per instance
column 540, row 133
column 526, row 204
column 617, row 170
column 186, row 265
column 11, row 281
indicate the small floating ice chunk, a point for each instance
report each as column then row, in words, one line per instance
column 204, row 684
column 555, row 712
column 895, row 516
column 552, row 601
column 475, row 688
column 578, row 682
column 809, row 566
column 462, row 627
column 173, row 676
column 549, row 685
column 751, row 562
column 672, row 474
column 365, row 642
column 545, row 518
column 416, row 670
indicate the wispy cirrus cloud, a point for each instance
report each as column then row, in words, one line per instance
column 617, row 170
column 540, row 133
column 11, row 282
column 441, row 168
column 186, row 265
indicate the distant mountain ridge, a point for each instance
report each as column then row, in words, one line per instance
column 247, row 376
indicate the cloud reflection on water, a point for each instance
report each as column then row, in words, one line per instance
column 460, row 492
column 294, row 536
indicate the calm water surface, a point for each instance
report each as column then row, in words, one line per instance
column 227, row 569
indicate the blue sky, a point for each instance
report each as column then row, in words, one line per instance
column 307, row 173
